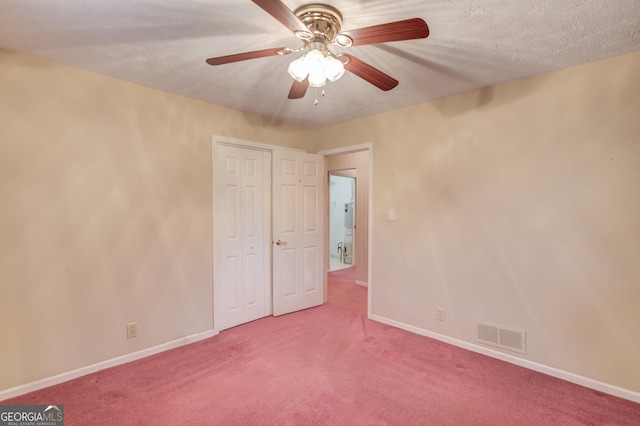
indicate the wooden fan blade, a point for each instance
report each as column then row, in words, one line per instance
column 369, row 73
column 408, row 29
column 298, row 90
column 282, row 13
column 247, row 55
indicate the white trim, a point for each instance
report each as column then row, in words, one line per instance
column 214, row 314
column 83, row 371
column 512, row 359
column 267, row 176
column 249, row 144
column 347, row 150
column 214, row 224
column 370, row 230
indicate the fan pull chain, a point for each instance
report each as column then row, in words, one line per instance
column 315, row 102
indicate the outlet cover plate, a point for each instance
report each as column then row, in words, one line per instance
column 132, row 330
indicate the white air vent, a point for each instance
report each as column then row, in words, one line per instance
column 512, row 340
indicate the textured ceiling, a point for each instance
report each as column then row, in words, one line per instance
column 164, row 44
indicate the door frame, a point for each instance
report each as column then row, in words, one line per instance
column 243, row 144
column 347, row 150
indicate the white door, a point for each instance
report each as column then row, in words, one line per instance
column 298, row 231
column 242, row 234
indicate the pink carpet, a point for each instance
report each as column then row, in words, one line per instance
column 327, row 366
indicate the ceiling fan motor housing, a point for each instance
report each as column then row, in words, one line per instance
column 324, row 22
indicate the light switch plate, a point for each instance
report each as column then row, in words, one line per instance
column 392, row 214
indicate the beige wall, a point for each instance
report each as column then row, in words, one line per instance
column 517, row 205
column 105, row 215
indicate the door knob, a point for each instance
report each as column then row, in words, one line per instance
column 281, row 243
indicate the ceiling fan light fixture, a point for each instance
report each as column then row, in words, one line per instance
column 317, row 79
column 298, row 69
column 317, row 66
column 314, row 61
column 333, row 68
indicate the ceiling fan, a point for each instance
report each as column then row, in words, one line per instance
column 319, row 26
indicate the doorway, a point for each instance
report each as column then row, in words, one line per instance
column 359, row 159
column 355, row 161
column 342, row 207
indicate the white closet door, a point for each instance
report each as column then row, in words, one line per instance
column 241, row 225
column 298, row 253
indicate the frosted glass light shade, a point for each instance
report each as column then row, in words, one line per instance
column 314, row 60
column 333, row 68
column 317, row 67
column 317, row 79
column 298, row 69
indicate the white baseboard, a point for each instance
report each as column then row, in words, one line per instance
column 541, row 368
column 83, row 371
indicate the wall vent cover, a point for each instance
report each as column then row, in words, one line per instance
column 509, row 339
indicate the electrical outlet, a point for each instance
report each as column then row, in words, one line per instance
column 132, row 330
column 440, row 314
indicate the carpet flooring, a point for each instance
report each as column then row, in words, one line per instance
column 328, row 365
